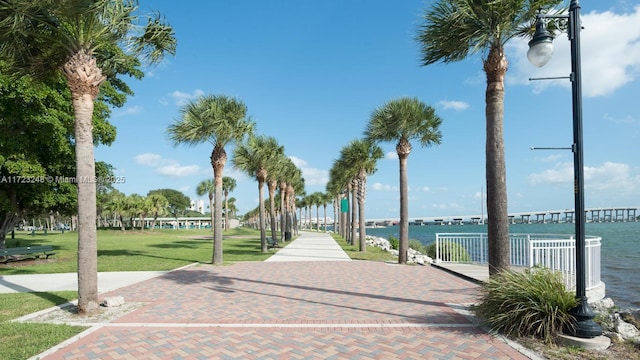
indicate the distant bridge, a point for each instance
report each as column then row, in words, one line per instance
column 613, row 214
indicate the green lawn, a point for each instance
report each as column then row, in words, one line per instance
column 117, row 251
column 134, row 250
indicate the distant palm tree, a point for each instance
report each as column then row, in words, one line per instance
column 453, row 30
column 254, row 157
column 116, row 205
column 403, row 120
column 157, row 205
column 274, row 174
column 228, row 185
column 362, row 155
column 338, row 185
column 208, row 187
column 219, row 120
column 88, row 42
column 232, row 207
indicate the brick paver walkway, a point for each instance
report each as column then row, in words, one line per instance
column 294, row 310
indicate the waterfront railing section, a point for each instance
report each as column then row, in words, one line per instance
column 556, row 252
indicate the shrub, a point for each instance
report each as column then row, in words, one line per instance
column 449, row 251
column 394, row 242
column 417, row 246
column 530, row 303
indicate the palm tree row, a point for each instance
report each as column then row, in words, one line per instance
column 222, row 121
column 118, row 207
column 401, row 120
column 263, row 158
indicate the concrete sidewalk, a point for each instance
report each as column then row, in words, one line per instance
column 311, row 246
column 107, row 281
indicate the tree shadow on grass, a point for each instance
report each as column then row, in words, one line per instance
column 114, row 253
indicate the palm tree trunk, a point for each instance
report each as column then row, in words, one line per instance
column 403, row 243
column 218, row 160
column 352, row 209
column 263, row 233
column 498, row 228
column 272, row 210
column 226, row 210
column 362, row 236
column 87, row 235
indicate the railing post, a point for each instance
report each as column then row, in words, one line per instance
column 437, row 248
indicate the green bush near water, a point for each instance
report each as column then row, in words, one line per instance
column 449, row 251
column 530, row 303
column 394, row 242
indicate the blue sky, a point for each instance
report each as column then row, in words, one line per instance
column 311, row 72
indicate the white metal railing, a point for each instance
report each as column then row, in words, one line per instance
column 553, row 251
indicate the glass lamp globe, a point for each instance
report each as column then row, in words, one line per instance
column 541, row 46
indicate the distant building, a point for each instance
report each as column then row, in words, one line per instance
column 197, row 205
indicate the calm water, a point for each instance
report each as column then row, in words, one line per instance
column 620, row 250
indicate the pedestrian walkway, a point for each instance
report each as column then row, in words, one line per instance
column 330, row 309
column 311, row 246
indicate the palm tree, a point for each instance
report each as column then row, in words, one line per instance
column 232, row 207
column 275, row 171
column 403, row 120
column 453, row 30
column 228, row 185
column 219, row 120
column 87, row 42
column 208, row 187
column 254, row 157
column 157, row 205
column 338, row 185
column 362, row 155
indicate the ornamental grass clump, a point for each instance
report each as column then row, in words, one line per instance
column 530, row 303
column 448, row 251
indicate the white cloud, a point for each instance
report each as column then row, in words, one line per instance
column 382, row 187
column 312, row 176
column 561, row 173
column 131, row 110
column 181, row 98
column 448, row 206
column 391, row 155
column 625, row 120
column 609, row 176
column 610, row 55
column 178, row 170
column 167, row 167
column 148, row 159
column 453, row 105
column 422, row 189
column 550, row 158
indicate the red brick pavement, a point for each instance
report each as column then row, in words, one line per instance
column 294, row 310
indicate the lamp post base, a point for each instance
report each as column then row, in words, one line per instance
column 585, row 326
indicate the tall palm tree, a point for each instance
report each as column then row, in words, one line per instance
column 254, row 157
column 88, row 42
column 228, row 185
column 288, row 174
column 454, row 30
column 338, row 185
column 219, row 120
column 403, row 120
column 362, row 155
column 208, row 187
column 275, row 170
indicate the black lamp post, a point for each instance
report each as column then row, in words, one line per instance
column 540, row 51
